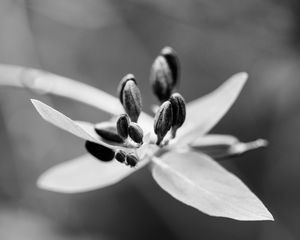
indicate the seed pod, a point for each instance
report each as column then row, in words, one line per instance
column 122, row 126
column 173, row 62
column 161, row 79
column 179, row 112
column 131, row 160
column 108, row 131
column 136, row 133
column 131, row 99
column 163, row 121
column 122, row 83
column 100, row 152
column 120, row 156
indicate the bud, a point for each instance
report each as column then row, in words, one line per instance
column 136, row 133
column 131, row 160
column 179, row 113
column 130, row 97
column 108, row 131
column 100, row 152
column 120, row 156
column 161, row 79
column 173, row 62
column 163, row 121
column 122, row 126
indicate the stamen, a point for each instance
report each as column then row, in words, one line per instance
column 163, row 121
column 100, row 152
column 173, row 62
column 122, row 126
column 109, row 132
column 136, row 133
column 130, row 97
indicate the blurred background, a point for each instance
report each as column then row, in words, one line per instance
column 99, row 41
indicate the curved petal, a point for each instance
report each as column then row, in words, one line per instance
column 42, row 82
column 84, row 174
column 82, row 130
column 198, row 181
column 204, row 113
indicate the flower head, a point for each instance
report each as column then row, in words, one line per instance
column 175, row 143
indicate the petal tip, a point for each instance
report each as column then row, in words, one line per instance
column 242, row 76
column 45, row 183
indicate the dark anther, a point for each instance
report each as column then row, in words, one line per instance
column 108, row 132
column 120, row 156
column 122, row 83
column 163, row 121
column 179, row 112
column 136, row 133
column 173, row 62
column 161, row 79
column 122, row 126
column 100, row 152
column 131, row 159
column 130, row 97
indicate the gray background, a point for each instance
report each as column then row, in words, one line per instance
column 97, row 42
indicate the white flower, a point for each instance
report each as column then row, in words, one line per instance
column 184, row 168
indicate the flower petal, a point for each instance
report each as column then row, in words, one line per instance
column 220, row 146
column 47, row 83
column 83, row 174
column 80, row 129
column 42, row 82
column 198, row 181
column 204, row 113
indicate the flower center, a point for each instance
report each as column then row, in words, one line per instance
column 169, row 116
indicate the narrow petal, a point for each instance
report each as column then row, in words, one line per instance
column 198, row 181
column 42, row 82
column 47, row 83
column 204, row 113
column 80, row 129
column 214, row 145
column 222, row 147
column 83, row 174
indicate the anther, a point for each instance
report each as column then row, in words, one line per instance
column 100, row 152
column 108, row 131
column 131, row 159
column 122, row 83
column 173, row 62
column 136, row 133
column 179, row 112
column 161, row 79
column 122, row 126
column 120, row 156
column 163, row 121
column 130, row 97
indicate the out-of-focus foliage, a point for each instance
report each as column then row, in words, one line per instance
column 98, row 42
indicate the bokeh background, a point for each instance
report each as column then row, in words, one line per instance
column 99, row 41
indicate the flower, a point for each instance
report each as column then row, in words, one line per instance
column 181, row 163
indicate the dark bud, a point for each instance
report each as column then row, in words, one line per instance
column 163, row 121
column 136, row 133
column 173, row 62
column 130, row 97
column 108, row 132
column 179, row 112
column 122, row 126
column 100, row 152
column 120, row 156
column 131, row 160
column 161, row 79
